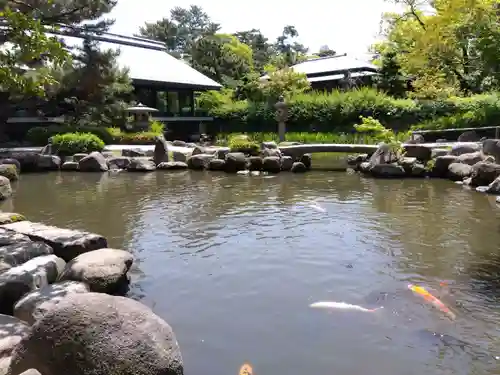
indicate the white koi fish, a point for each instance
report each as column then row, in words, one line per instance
column 317, row 207
column 341, row 306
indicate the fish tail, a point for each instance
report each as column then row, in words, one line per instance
column 376, row 309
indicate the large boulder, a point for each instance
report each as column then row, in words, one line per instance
column 172, row 165
column 468, row 136
column 306, row 159
column 459, row 171
column 388, row 170
column 94, row 162
column 492, row 147
column 70, row 166
column 141, row 165
column 441, row 164
column 33, row 274
column 460, row 149
column 67, row 243
column 255, row 163
column 35, row 304
column 420, row 152
column 180, row 156
column 222, row 152
column 383, row 155
column 12, row 162
column 18, row 253
column 10, row 171
column 216, row 165
column 199, row 161
column 5, row 188
column 12, row 330
column 115, row 335
column 79, row 156
column 471, row 158
column 28, row 160
column 484, row 173
column 118, row 162
column 298, row 167
column 161, row 150
column 271, row 164
column 9, row 237
column 286, row 163
column 103, row 270
column 235, row 161
column 10, row 217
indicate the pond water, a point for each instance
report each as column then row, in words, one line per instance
column 233, row 262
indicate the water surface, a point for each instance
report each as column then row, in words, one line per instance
column 232, row 263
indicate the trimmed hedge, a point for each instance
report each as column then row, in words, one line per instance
column 74, row 143
column 339, row 111
column 38, row 136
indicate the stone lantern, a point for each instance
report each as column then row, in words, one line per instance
column 281, row 116
column 140, row 117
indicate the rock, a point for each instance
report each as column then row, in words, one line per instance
column 116, row 334
column 222, row 152
column 442, row 140
column 133, row 153
column 179, row 156
column 472, row 158
column 12, row 330
column 460, row 149
column 271, row 164
column 34, row 305
column 160, row 154
column 484, row 173
column 12, row 162
column 270, row 145
column 419, row 152
column 468, row 136
column 459, row 171
column 9, row 237
column 28, row 160
column 407, row 163
column 108, row 154
column 441, row 164
column 10, row 217
column 103, row 270
column 18, row 253
column 66, row 243
column 306, row 159
column 94, row 162
column 141, row 165
column 365, row 167
column 482, row 189
column 235, row 161
column 416, row 139
column 269, row 152
column 49, row 162
column 35, row 273
column 285, row 144
column 383, row 155
column 217, row 165
column 70, row 166
column 119, row 162
column 356, row 160
column 5, row 188
column 494, row 187
column 439, row 152
column 387, row 170
column 492, row 147
column 255, row 163
column 198, row 151
column 78, row 157
column 286, row 163
column 179, row 143
column 31, row 371
column 298, row 167
column 172, row 165
column 10, row 171
column 199, row 161
column 418, row 170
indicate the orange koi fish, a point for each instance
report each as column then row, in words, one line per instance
column 421, row 291
column 246, row 369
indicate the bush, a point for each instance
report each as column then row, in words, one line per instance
column 338, row 111
column 38, row 136
column 241, row 143
column 74, row 143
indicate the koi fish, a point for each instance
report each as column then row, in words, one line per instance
column 317, row 207
column 246, row 369
column 341, row 306
column 421, row 291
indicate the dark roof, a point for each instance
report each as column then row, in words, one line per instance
column 148, row 62
column 332, row 68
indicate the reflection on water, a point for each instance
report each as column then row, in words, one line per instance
column 233, row 262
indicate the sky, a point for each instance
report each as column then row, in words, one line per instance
column 346, row 26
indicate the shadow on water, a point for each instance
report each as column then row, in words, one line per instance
column 223, row 257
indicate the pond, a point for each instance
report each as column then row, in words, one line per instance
column 233, row 263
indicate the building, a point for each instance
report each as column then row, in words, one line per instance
column 160, row 80
column 333, row 72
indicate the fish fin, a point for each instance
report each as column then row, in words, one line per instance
column 375, row 309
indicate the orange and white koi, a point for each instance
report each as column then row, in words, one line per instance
column 341, row 306
column 246, row 369
column 421, row 291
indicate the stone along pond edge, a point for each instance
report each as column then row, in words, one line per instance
column 61, row 294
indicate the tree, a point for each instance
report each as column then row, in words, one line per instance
column 288, row 50
column 261, row 48
column 450, row 44
column 223, row 58
column 390, row 78
column 325, row 51
column 182, row 30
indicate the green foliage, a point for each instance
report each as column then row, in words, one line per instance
column 73, row 143
column 38, row 136
column 241, row 143
column 391, row 79
column 156, row 127
column 377, row 131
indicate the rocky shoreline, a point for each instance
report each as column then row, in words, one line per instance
column 62, row 309
column 477, row 166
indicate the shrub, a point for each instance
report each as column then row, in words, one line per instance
column 74, row 143
column 139, row 138
column 241, row 143
column 38, row 136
